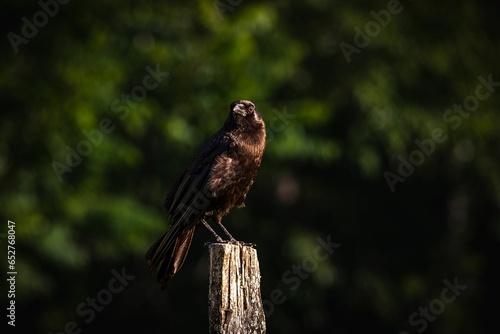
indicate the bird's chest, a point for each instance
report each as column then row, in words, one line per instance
column 234, row 171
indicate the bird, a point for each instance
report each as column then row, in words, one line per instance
column 215, row 181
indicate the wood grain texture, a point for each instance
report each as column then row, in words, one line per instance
column 235, row 303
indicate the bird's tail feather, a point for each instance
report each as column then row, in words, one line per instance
column 167, row 255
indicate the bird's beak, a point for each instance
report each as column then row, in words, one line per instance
column 237, row 109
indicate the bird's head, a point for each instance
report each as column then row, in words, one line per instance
column 245, row 115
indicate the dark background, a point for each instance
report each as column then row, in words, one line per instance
column 346, row 99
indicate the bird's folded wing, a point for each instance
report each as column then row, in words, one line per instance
column 190, row 197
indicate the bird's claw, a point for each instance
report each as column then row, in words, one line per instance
column 248, row 244
column 232, row 242
column 242, row 243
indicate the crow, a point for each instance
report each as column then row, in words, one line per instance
column 217, row 180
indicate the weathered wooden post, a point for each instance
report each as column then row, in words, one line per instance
column 234, row 298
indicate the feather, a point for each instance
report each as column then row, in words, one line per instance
column 217, row 179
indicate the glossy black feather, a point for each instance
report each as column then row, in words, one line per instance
column 218, row 179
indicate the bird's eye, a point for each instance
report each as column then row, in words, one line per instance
column 251, row 109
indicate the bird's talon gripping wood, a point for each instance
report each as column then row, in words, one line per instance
column 218, row 179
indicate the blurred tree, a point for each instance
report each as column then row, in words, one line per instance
column 76, row 95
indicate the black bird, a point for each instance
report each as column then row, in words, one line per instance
column 216, row 180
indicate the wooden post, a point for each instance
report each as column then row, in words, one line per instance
column 234, row 298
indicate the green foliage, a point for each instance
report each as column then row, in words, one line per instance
column 335, row 128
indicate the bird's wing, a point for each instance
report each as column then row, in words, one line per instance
column 190, row 196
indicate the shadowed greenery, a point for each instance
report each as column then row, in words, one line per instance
column 133, row 89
